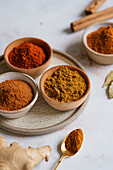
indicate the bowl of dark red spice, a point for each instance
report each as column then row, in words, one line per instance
column 18, row 93
column 65, row 87
column 98, row 42
column 28, row 55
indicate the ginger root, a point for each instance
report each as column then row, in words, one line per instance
column 15, row 157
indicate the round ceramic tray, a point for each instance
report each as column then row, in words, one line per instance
column 42, row 118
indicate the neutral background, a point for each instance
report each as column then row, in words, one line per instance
column 50, row 20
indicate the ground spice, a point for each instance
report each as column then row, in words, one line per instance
column 27, row 56
column 14, row 95
column 74, row 141
column 101, row 40
column 65, row 85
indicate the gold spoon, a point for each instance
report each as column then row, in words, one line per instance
column 67, row 153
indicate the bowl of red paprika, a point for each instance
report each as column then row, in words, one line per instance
column 28, row 55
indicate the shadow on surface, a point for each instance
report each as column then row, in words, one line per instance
column 68, row 30
column 83, row 14
column 60, row 154
column 77, row 51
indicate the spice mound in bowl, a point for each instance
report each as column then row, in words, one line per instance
column 101, row 40
column 65, row 87
column 28, row 55
column 14, row 94
column 98, row 42
column 18, row 94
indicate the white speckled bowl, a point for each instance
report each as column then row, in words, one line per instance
column 31, row 82
column 97, row 57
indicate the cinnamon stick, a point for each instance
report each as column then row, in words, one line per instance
column 91, row 19
column 92, row 8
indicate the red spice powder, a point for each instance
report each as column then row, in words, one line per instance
column 27, row 56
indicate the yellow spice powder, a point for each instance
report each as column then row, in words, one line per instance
column 65, row 85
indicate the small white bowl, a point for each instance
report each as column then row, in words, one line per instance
column 95, row 56
column 31, row 82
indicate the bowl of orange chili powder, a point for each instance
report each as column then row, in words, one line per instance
column 28, row 55
column 98, row 42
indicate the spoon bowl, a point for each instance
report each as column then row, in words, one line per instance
column 65, row 151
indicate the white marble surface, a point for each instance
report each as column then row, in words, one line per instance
column 50, row 20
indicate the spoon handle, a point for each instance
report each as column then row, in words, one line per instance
column 63, row 156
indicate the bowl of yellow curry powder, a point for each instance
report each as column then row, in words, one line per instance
column 65, row 87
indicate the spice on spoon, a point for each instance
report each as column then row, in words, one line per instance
column 71, row 145
column 74, row 141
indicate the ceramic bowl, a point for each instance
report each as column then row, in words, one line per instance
column 64, row 105
column 95, row 56
column 35, row 72
column 31, row 82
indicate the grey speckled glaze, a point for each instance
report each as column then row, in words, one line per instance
column 42, row 118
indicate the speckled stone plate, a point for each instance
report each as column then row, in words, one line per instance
column 42, row 118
